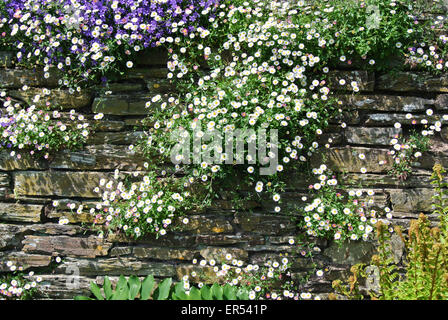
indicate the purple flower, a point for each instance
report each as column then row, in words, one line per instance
column 112, row 24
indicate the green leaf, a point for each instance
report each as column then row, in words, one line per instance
column 121, row 290
column 206, row 293
column 179, row 292
column 195, row 294
column 134, row 287
column 242, row 294
column 107, row 288
column 229, row 292
column 216, row 291
column 163, row 290
column 96, row 291
column 147, row 286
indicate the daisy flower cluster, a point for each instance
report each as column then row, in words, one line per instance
column 154, row 205
column 263, row 86
column 342, row 214
column 86, row 39
column 407, row 150
column 421, row 56
column 270, row 281
column 264, row 71
column 14, row 286
column 34, row 131
column 431, row 53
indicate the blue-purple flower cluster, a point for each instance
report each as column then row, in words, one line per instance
column 85, row 37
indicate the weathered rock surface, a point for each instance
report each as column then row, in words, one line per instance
column 413, row 81
column 24, row 260
column 65, row 184
column 20, row 212
column 17, row 78
column 4, row 180
column 348, row 159
column 264, row 224
column 115, row 138
column 220, row 254
column 390, row 119
column 388, row 103
column 74, row 217
column 123, row 104
column 206, row 224
column 116, row 266
column 411, row 199
column 9, row 163
column 373, row 136
column 164, row 253
column 99, row 157
column 10, row 235
column 350, row 252
column 64, row 245
column 64, row 286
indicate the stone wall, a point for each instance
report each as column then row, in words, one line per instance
column 31, row 235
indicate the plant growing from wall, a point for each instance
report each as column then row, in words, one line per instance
column 269, row 69
column 155, row 201
column 345, row 213
column 35, row 131
column 426, row 273
column 274, row 279
column 84, row 41
column 14, row 285
column 407, row 151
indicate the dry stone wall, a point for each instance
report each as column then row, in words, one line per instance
column 29, row 229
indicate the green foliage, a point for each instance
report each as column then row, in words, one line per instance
column 132, row 288
column 172, row 192
column 426, row 267
column 406, row 152
column 336, row 212
column 15, row 285
column 147, row 286
column 38, row 132
column 269, row 69
column 272, row 279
